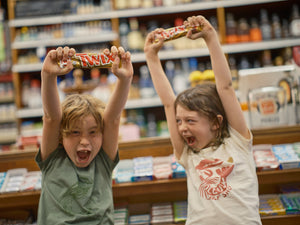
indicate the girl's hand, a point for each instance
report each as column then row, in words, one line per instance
column 206, row 28
column 154, row 41
column 126, row 69
column 50, row 65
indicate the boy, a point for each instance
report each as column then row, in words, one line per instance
column 79, row 147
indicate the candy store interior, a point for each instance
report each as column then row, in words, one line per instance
column 261, row 41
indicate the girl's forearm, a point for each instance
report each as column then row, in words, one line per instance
column 219, row 63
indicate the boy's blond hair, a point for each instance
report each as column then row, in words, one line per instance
column 76, row 106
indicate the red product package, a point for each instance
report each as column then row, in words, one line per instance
column 265, row 158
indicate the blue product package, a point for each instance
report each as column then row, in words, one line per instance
column 286, row 156
column 2, row 179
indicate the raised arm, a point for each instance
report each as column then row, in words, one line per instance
column 222, row 73
column 51, row 104
column 117, row 101
column 163, row 88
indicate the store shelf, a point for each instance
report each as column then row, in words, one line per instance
column 280, row 220
column 187, row 53
column 134, row 12
column 264, row 70
column 101, row 37
column 130, row 104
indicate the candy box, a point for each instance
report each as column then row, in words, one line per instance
column 2, row 179
column 161, row 213
column 180, row 211
column 286, row 156
column 32, row 181
column 143, row 219
column 124, row 171
column 291, row 202
column 143, row 169
column 270, row 204
column 121, row 216
column 264, row 158
column 162, row 167
column 178, row 170
column 14, row 179
column 296, row 147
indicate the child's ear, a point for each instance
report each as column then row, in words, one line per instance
column 216, row 124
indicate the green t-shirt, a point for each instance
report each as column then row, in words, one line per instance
column 72, row 195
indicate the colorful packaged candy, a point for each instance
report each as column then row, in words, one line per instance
column 265, row 158
column 286, row 156
column 270, row 205
column 180, row 211
column 161, row 213
column 124, row 171
column 143, row 169
column 143, row 219
column 162, row 167
column 291, row 202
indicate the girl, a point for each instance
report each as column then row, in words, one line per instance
column 209, row 136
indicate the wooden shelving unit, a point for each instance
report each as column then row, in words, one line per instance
column 139, row 195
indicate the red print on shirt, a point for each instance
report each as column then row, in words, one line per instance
column 213, row 174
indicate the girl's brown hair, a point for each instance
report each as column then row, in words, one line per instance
column 204, row 99
column 76, row 106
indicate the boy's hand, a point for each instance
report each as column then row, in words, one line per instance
column 154, row 41
column 50, row 65
column 126, row 69
column 206, row 28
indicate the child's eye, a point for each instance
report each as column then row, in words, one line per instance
column 178, row 121
column 94, row 132
column 75, row 132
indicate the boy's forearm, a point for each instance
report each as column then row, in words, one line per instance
column 50, row 96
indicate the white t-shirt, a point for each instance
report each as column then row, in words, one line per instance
column 222, row 183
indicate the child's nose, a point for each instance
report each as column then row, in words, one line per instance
column 183, row 127
column 84, row 140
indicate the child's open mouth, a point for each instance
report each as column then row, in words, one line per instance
column 83, row 156
column 190, row 140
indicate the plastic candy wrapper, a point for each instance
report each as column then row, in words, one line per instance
column 265, row 158
column 177, row 32
column 286, row 156
column 180, row 211
column 89, row 60
column 162, row 167
column 161, row 213
column 270, row 205
column 291, row 202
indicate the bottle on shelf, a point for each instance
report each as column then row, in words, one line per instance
column 135, row 37
column 151, row 125
column 145, row 83
column 285, row 28
column 35, row 98
column 170, row 70
column 295, row 21
column 180, row 81
column 266, row 58
column 124, row 30
column 265, row 25
column 234, row 72
column 243, row 30
column 276, row 27
column 244, row 63
column 231, row 29
column 255, row 32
